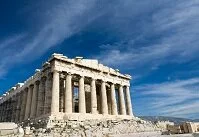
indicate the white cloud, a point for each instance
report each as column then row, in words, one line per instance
column 178, row 98
column 57, row 22
column 175, row 31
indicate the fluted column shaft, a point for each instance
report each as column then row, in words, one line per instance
column 113, row 100
column 55, row 93
column 0, row 111
column 68, row 94
column 13, row 108
column 104, row 98
column 28, row 103
column 40, row 98
column 121, row 101
column 17, row 108
column 82, row 104
column 93, row 97
column 23, row 105
column 46, row 94
column 34, row 100
column 128, row 99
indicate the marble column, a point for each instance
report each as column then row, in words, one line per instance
column 82, row 104
column 0, row 111
column 23, row 104
column 104, row 98
column 34, row 100
column 68, row 94
column 93, row 97
column 9, row 110
column 47, row 90
column 61, row 95
column 17, row 108
column 14, row 107
column 121, row 101
column 1, row 108
column 4, row 112
column 73, row 102
column 43, row 95
column 113, row 100
column 55, row 93
column 40, row 99
column 128, row 100
column 28, row 103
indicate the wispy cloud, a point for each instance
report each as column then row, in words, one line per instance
column 173, row 29
column 178, row 98
column 57, row 22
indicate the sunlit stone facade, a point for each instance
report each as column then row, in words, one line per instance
column 69, row 89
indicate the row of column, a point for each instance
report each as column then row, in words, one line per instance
column 82, row 103
column 29, row 103
column 43, row 97
column 35, row 101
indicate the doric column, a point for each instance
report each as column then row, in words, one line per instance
column 33, row 111
column 121, row 101
column 68, row 94
column 113, row 100
column 73, row 102
column 28, row 103
column 93, row 97
column 23, row 104
column 61, row 95
column 40, row 99
column 104, row 98
column 1, row 111
column 13, row 108
column 128, row 100
column 55, row 93
column 82, row 104
column 48, row 89
column 8, row 110
column 4, row 111
column 46, row 92
column 17, row 108
column 42, row 90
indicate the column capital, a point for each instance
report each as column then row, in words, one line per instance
column 81, row 76
column 31, row 85
column 69, row 73
column 55, row 71
column 37, row 82
column 127, row 86
column 112, row 83
column 92, row 78
column 103, row 80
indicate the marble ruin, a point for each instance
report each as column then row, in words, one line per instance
column 184, row 128
column 64, row 89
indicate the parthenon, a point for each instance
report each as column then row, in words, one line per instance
column 69, row 89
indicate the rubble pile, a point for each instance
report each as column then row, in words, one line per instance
column 87, row 128
column 91, row 128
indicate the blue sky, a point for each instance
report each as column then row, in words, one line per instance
column 154, row 41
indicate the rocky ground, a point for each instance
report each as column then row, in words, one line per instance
column 95, row 128
column 152, row 134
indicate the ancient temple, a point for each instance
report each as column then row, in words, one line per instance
column 69, row 89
